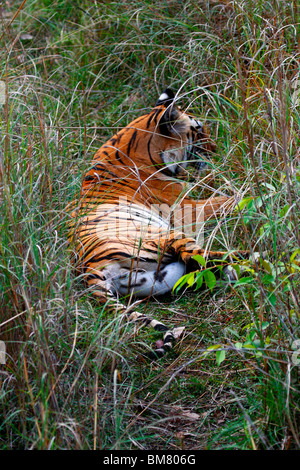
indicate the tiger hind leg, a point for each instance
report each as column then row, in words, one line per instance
column 105, row 290
column 143, row 283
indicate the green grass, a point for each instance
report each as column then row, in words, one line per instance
column 75, row 72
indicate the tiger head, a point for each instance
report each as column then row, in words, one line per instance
column 178, row 139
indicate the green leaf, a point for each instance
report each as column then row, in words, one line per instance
column 186, row 279
column 284, row 210
column 258, row 202
column 251, row 335
column 190, row 280
column 213, row 347
column 232, row 331
column 220, row 356
column 244, row 280
column 200, row 260
column 265, row 325
column 296, row 252
column 287, row 287
column 269, row 186
column 199, row 280
column 272, row 299
column 210, row 279
column 243, row 203
column 268, row 279
column 268, row 266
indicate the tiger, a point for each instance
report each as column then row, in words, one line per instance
column 122, row 225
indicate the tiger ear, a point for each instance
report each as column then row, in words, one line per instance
column 168, row 121
column 166, row 98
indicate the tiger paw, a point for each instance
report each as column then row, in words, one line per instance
column 177, row 332
column 162, row 346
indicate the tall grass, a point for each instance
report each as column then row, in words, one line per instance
column 74, row 73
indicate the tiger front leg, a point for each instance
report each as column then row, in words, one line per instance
column 225, row 258
column 187, row 249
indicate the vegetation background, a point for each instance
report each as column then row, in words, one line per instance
column 75, row 71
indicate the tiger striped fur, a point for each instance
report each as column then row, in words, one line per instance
column 124, row 236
